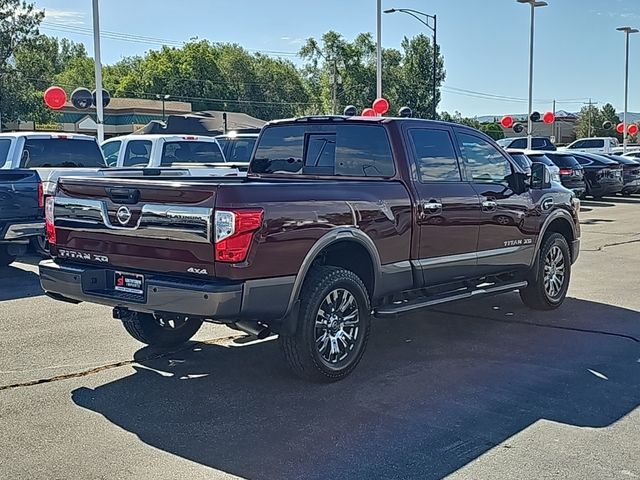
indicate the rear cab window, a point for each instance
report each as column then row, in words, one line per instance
column 324, row 149
column 5, row 145
column 137, row 153
column 187, row 151
column 61, row 153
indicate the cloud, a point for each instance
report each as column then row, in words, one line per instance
column 293, row 41
column 67, row 17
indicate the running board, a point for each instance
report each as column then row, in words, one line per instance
column 394, row 309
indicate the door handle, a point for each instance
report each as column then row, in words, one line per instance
column 489, row 205
column 432, row 207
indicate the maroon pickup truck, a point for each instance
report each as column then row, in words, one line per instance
column 339, row 219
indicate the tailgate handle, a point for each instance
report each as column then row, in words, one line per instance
column 124, row 195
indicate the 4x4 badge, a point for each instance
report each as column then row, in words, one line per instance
column 123, row 215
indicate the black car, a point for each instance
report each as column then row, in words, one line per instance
column 602, row 175
column 537, row 143
column 571, row 172
column 630, row 173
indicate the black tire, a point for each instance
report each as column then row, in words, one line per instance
column 148, row 329
column 40, row 245
column 301, row 350
column 5, row 257
column 539, row 294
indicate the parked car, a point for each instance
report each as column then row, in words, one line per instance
column 200, row 155
column 534, row 156
column 21, row 212
column 632, row 154
column 630, row 173
column 520, row 143
column 603, row 175
column 630, row 149
column 570, row 171
column 593, row 145
column 238, row 147
column 330, row 225
column 51, row 155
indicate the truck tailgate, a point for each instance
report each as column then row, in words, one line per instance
column 19, row 195
column 152, row 225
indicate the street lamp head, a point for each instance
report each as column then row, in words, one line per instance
column 391, row 10
column 628, row 29
column 534, row 3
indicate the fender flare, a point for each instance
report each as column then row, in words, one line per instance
column 339, row 234
column 555, row 215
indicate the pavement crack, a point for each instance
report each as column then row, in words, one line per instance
column 544, row 325
column 111, row 366
column 607, row 245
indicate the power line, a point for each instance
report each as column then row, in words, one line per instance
column 131, row 38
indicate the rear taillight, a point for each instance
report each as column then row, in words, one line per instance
column 49, row 224
column 40, row 195
column 566, row 171
column 234, row 230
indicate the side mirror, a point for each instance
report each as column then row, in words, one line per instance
column 518, row 182
column 540, row 176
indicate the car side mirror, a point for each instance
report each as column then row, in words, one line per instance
column 518, row 182
column 540, row 176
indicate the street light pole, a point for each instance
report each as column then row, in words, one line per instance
column 534, row 4
column 627, row 31
column 98, row 72
column 425, row 21
column 379, row 51
column 164, row 98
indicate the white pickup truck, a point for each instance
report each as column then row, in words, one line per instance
column 52, row 155
column 201, row 156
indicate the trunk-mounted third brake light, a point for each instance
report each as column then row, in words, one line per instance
column 40, row 195
column 234, row 230
column 49, row 224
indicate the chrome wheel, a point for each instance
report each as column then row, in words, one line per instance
column 554, row 272
column 337, row 327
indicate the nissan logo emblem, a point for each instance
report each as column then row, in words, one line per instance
column 123, row 215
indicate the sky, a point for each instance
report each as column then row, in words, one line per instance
column 578, row 56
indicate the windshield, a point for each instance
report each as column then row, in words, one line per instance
column 563, row 161
column 61, row 153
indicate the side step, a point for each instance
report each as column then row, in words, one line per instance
column 431, row 300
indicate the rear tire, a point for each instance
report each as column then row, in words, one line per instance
column 156, row 332
column 5, row 257
column 333, row 326
column 553, row 275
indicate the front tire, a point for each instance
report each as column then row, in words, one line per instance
column 159, row 332
column 550, row 288
column 333, row 326
column 5, row 257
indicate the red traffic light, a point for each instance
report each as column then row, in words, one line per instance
column 381, row 106
column 368, row 112
column 548, row 117
column 633, row 129
column 55, row 97
column 620, row 128
column 507, row 121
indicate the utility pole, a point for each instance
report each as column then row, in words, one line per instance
column 625, row 135
column 379, row 51
column 553, row 124
column 98, row 72
column 335, row 81
column 589, row 116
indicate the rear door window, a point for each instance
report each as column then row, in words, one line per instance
column 137, row 153
column 325, row 149
column 190, row 152
column 5, row 145
column 61, row 153
column 435, row 156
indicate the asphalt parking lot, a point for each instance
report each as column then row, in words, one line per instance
column 477, row 390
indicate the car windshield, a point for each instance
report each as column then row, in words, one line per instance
column 61, row 153
column 541, row 158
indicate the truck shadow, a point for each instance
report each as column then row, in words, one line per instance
column 16, row 283
column 435, row 390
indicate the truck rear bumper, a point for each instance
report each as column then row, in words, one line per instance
column 220, row 300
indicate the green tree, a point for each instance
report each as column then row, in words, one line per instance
column 458, row 118
column 494, row 130
column 591, row 120
column 417, row 75
column 19, row 21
